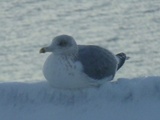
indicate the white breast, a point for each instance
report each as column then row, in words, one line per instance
column 64, row 73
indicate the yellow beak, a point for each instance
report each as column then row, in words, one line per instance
column 42, row 50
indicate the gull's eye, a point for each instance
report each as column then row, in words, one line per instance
column 62, row 43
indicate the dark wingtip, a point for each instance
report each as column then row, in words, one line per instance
column 122, row 58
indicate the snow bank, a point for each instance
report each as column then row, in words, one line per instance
column 125, row 99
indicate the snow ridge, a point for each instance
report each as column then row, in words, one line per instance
column 125, row 99
column 121, row 90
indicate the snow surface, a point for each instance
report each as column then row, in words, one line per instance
column 125, row 99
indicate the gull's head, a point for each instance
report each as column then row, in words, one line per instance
column 61, row 45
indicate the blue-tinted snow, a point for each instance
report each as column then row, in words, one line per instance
column 125, row 99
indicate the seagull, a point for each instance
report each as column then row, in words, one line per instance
column 72, row 66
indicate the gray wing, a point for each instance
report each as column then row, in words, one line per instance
column 97, row 62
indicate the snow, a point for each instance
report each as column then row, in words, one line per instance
column 124, row 99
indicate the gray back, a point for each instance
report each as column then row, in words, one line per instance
column 97, row 62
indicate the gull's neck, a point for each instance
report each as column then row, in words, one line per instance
column 66, row 56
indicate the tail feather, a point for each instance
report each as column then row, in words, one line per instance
column 121, row 58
